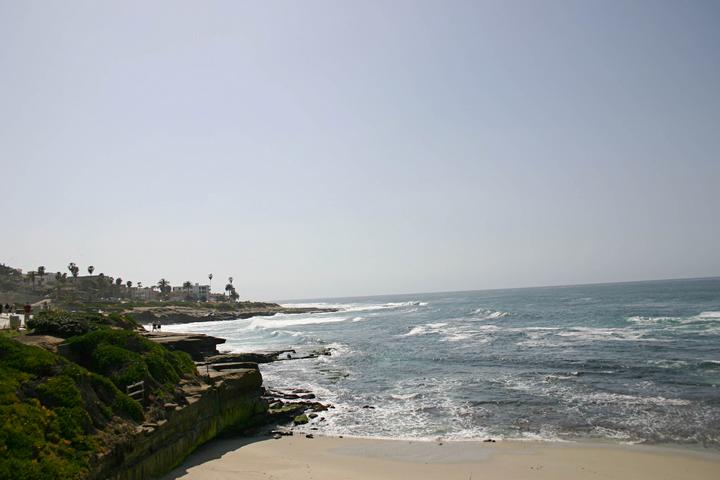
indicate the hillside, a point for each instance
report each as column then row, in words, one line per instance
column 60, row 413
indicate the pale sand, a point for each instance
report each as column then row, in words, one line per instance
column 326, row 458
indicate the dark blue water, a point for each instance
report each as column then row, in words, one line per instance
column 635, row 362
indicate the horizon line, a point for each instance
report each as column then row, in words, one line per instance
column 529, row 287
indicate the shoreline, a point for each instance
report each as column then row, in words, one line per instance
column 271, row 356
column 589, row 441
column 325, row 458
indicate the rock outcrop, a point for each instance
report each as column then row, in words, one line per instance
column 197, row 345
column 181, row 314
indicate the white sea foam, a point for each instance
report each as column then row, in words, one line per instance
column 457, row 337
column 568, row 393
column 650, row 321
column 407, row 396
column 488, row 314
column 424, row 329
column 604, row 397
column 612, row 433
column 451, row 332
column 290, row 321
column 616, row 334
column 677, row 323
column 490, row 328
column 360, row 307
column 668, row 363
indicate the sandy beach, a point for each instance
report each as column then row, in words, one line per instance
column 326, row 458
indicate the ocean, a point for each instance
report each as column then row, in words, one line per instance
column 627, row 362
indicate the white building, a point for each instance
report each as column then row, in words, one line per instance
column 196, row 292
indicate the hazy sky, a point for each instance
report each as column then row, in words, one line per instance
column 334, row 148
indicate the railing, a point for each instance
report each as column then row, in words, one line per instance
column 136, row 391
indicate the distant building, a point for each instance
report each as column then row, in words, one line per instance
column 195, row 292
column 48, row 278
column 144, row 293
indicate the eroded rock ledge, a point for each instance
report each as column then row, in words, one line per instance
column 203, row 348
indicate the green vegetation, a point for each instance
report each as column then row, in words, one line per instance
column 67, row 324
column 51, row 413
column 126, row 358
column 301, row 419
column 56, row 410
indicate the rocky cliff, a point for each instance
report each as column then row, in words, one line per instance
column 231, row 402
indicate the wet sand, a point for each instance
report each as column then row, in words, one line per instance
column 329, row 458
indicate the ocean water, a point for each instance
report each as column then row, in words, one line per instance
column 634, row 362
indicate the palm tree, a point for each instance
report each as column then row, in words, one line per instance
column 91, row 269
column 229, row 289
column 139, row 285
column 41, row 274
column 187, row 286
column 230, row 280
column 129, row 283
column 31, row 276
column 74, row 269
column 164, row 287
column 210, row 277
column 58, row 277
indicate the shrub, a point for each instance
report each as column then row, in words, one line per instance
column 15, row 355
column 49, row 409
column 59, row 391
column 69, row 324
column 120, row 403
column 122, row 366
column 128, row 407
column 127, row 357
column 59, row 324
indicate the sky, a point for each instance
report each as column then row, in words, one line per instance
column 336, row 148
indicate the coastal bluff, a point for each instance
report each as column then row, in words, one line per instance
column 231, row 401
column 171, row 314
